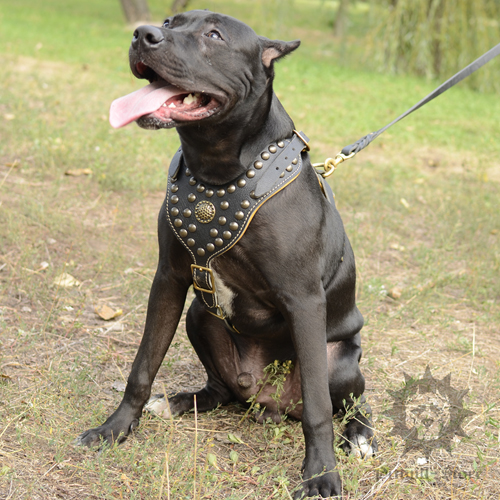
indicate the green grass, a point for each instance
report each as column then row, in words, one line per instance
column 59, row 361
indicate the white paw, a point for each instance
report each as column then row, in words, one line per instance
column 361, row 448
column 158, row 406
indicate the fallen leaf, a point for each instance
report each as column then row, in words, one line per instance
column 395, row 293
column 212, row 459
column 397, row 246
column 66, row 280
column 119, row 386
column 6, row 377
column 107, row 313
column 404, row 203
column 77, row 172
column 494, row 231
column 233, row 456
column 235, row 439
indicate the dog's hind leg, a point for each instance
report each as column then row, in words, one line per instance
column 209, row 339
column 346, row 391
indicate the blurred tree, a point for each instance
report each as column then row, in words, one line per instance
column 341, row 18
column 436, row 38
column 179, row 6
column 136, row 10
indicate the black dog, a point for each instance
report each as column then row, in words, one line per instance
column 246, row 220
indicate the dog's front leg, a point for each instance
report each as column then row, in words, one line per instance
column 307, row 318
column 166, row 302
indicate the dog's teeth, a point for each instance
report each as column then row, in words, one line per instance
column 164, row 104
column 171, row 105
column 189, row 99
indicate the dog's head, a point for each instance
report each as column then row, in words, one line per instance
column 200, row 66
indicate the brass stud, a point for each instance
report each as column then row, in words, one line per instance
column 191, row 197
column 295, row 161
column 281, row 144
column 265, row 156
column 177, row 222
column 192, row 181
column 250, row 174
column 186, row 212
column 200, row 252
column 174, row 188
column 209, row 193
column 183, row 233
column 239, row 215
column 233, row 226
column 219, row 242
column 231, row 189
column 258, row 165
column 204, row 211
column 200, row 188
column 210, row 247
column 213, row 232
column 174, row 211
column 227, row 235
column 282, row 175
column 224, row 205
column 174, row 199
column 191, row 242
column 245, row 204
column 188, row 172
column 222, row 220
column 252, row 195
column 192, row 228
column 241, row 183
column 221, row 193
column 289, row 168
column 273, row 149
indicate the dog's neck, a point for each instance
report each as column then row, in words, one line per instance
column 217, row 154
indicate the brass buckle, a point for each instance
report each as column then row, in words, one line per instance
column 207, row 270
column 331, row 164
column 219, row 314
column 307, row 148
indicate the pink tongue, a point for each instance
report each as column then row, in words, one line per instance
column 142, row 102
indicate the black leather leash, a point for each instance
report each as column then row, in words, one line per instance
column 349, row 151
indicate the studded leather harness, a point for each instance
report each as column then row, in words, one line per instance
column 209, row 220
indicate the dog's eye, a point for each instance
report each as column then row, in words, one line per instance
column 166, row 23
column 214, row 34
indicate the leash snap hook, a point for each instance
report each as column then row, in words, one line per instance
column 331, row 164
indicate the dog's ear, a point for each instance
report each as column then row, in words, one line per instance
column 275, row 49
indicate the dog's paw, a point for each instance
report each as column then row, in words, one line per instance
column 360, row 447
column 105, row 435
column 359, row 439
column 159, row 406
column 325, row 486
column 262, row 415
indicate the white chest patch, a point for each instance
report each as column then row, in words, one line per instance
column 225, row 295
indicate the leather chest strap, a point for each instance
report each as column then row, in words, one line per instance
column 209, row 220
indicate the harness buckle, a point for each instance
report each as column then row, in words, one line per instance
column 304, row 139
column 194, row 267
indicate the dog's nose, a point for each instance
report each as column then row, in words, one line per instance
column 149, row 36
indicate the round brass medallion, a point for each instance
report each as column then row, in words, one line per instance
column 204, row 212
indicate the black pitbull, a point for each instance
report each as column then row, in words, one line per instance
column 283, row 288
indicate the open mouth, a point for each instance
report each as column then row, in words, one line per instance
column 160, row 104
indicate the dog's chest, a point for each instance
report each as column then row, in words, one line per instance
column 209, row 220
column 225, row 295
